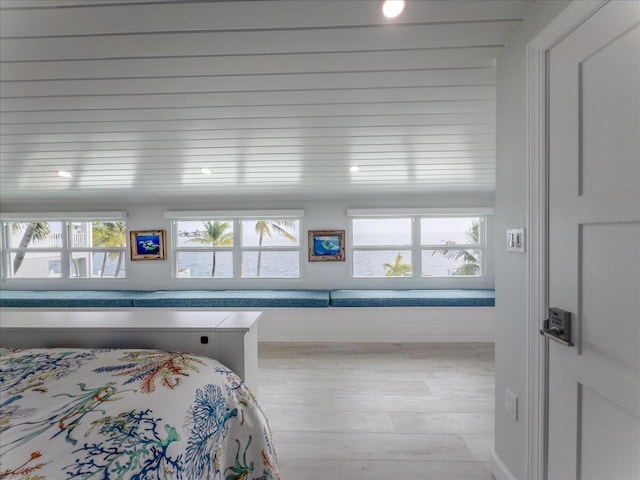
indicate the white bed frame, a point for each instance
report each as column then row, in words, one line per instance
column 229, row 337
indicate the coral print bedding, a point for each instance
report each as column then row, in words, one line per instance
column 125, row 414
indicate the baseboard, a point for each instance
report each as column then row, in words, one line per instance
column 499, row 469
column 378, row 324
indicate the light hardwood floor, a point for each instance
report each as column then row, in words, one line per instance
column 379, row 411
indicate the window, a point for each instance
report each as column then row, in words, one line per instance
column 452, row 246
column 382, row 247
column 64, row 248
column 203, row 249
column 227, row 247
column 417, row 244
column 270, row 248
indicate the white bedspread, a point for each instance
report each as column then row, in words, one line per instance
column 128, row 414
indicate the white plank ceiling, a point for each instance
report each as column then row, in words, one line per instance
column 276, row 98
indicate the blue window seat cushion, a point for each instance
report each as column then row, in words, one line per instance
column 233, row 298
column 68, row 298
column 244, row 298
column 412, row 298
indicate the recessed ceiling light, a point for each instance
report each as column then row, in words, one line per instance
column 354, row 168
column 64, row 173
column 206, row 171
column 392, row 8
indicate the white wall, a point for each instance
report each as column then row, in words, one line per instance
column 323, row 214
column 511, row 212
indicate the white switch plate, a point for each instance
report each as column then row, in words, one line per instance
column 515, row 240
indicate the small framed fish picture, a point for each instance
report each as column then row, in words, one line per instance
column 326, row 246
column 148, row 245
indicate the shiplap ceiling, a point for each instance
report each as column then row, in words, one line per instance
column 277, row 98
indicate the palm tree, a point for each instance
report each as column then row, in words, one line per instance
column 268, row 228
column 32, row 231
column 214, row 234
column 109, row 234
column 470, row 262
column 398, row 269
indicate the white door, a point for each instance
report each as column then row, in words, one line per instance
column 594, row 246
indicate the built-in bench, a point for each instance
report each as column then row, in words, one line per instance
column 307, row 315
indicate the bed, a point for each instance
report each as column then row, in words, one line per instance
column 128, row 414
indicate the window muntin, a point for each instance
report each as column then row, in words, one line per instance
column 440, row 246
column 64, row 249
column 241, row 248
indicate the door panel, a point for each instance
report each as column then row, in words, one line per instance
column 609, row 254
column 605, row 117
column 594, row 247
column 598, row 463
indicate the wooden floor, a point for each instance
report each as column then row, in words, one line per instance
column 379, row 411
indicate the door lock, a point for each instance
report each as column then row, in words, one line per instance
column 558, row 326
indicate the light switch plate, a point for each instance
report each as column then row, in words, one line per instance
column 516, row 240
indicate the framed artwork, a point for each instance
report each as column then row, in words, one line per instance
column 148, row 245
column 326, row 246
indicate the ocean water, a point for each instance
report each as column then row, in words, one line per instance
column 272, row 264
column 367, row 263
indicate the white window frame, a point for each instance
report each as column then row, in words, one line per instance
column 236, row 217
column 176, row 250
column 481, row 246
column 384, row 247
column 269, row 248
column 416, row 247
column 66, row 250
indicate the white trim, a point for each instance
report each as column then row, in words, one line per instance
column 499, row 469
column 537, row 212
column 200, row 214
column 12, row 217
column 537, row 207
column 391, row 212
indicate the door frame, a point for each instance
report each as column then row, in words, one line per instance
column 537, row 217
